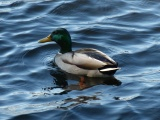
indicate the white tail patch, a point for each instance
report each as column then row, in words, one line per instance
column 109, row 69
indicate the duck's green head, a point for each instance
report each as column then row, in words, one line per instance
column 62, row 37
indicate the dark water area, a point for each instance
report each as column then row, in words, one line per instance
column 32, row 88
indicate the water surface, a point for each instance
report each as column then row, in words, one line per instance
column 32, row 88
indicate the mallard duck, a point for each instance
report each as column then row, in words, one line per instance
column 84, row 62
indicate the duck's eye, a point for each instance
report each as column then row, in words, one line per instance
column 54, row 32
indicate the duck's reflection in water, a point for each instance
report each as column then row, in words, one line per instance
column 62, row 79
column 68, row 82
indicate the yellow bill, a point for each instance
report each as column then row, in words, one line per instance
column 46, row 39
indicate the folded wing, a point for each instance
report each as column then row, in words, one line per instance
column 90, row 59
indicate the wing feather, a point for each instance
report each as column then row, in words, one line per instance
column 88, row 58
column 96, row 54
column 82, row 60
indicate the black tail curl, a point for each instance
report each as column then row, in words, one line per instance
column 111, row 72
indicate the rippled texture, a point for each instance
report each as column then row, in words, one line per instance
column 32, row 88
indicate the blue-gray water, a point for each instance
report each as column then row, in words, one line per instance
column 32, row 89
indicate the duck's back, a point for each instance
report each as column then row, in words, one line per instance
column 96, row 54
